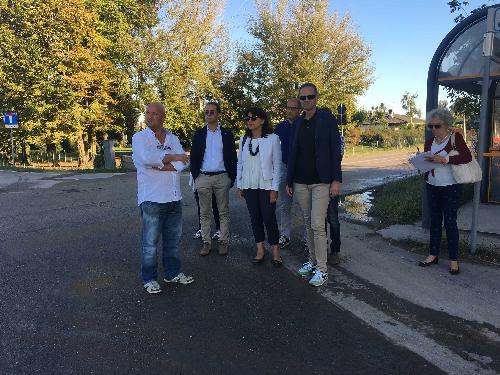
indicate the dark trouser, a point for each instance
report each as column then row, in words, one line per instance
column 332, row 218
column 443, row 202
column 215, row 210
column 262, row 213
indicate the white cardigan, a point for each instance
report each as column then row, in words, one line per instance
column 270, row 160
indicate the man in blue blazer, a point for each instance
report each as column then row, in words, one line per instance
column 213, row 167
column 314, row 176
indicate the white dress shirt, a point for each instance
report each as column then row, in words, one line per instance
column 213, row 159
column 147, row 152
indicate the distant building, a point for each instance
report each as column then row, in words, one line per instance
column 395, row 121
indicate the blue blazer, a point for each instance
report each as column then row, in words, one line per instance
column 228, row 152
column 328, row 153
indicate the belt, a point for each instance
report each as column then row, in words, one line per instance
column 213, row 173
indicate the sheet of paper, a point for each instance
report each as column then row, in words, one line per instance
column 419, row 162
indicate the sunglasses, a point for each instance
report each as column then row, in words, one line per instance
column 309, row 97
column 435, row 126
column 293, row 108
column 250, row 118
column 210, row 112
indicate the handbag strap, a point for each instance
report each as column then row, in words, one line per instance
column 453, row 141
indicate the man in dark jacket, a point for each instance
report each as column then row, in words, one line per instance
column 213, row 167
column 314, row 175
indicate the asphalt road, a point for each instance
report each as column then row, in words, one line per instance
column 72, row 300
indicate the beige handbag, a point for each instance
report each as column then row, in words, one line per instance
column 465, row 173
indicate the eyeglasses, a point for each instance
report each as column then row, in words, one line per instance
column 293, row 108
column 210, row 112
column 435, row 126
column 250, row 118
column 309, row 97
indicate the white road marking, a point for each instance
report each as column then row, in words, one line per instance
column 395, row 331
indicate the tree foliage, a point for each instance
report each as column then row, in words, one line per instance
column 378, row 115
column 60, row 69
column 409, row 105
column 297, row 42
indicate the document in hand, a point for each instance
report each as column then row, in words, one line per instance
column 420, row 163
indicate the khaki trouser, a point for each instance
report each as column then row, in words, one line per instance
column 313, row 201
column 219, row 185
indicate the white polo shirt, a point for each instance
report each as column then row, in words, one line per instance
column 147, row 152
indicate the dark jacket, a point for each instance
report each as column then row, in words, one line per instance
column 327, row 141
column 228, row 152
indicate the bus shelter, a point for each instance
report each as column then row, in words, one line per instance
column 468, row 60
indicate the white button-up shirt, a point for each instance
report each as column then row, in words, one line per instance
column 147, row 152
column 213, row 159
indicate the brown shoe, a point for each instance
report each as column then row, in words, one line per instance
column 205, row 250
column 223, row 248
column 334, row 259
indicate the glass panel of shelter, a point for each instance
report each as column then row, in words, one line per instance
column 464, row 57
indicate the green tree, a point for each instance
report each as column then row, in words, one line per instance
column 184, row 62
column 465, row 104
column 360, row 116
column 443, row 103
column 461, row 8
column 295, row 42
column 378, row 115
column 409, row 105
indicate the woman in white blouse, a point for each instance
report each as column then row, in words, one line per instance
column 258, row 179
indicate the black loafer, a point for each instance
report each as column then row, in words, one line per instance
column 427, row 264
column 258, row 260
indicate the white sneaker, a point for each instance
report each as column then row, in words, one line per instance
column 197, row 234
column 319, row 278
column 216, row 235
column 181, row 279
column 306, row 270
column 152, row 287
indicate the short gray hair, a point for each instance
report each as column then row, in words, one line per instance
column 442, row 114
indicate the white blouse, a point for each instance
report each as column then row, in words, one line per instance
column 252, row 176
column 443, row 175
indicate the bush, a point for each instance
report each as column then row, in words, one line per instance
column 353, row 135
column 388, row 137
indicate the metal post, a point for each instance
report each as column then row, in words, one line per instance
column 483, row 141
column 12, row 146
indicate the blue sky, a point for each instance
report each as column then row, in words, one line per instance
column 403, row 36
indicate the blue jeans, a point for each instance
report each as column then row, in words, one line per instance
column 443, row 203
column 163, row 219
column 333, row 219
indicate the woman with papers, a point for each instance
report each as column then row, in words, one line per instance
column 443, row 191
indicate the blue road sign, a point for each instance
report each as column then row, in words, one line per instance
column 10, row 120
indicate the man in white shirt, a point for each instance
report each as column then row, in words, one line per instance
column 159, row 157
column 213, row 166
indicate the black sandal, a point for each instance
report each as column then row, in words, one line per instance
column 278, row 262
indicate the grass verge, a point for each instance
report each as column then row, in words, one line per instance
column 400, row 202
